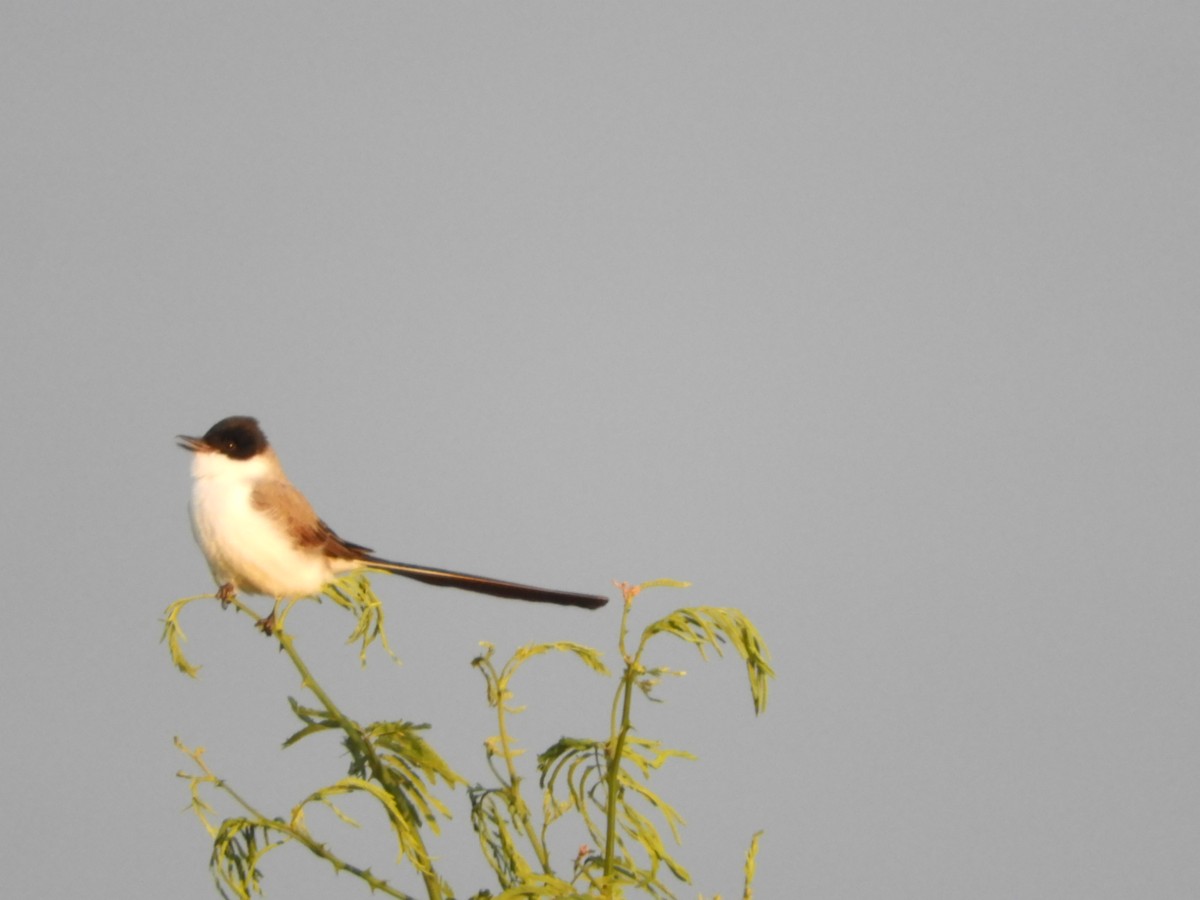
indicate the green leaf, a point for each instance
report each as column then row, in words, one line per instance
column 588, row 655
column 663, row 582
column 751, row 856
column 355, row 594
column 711, row 627
column 409, row 843
column 175, row 638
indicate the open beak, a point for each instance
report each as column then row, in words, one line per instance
column 195, row 444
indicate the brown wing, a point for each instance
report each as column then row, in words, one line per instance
column 291, row 509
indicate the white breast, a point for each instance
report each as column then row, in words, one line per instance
column 243, row 545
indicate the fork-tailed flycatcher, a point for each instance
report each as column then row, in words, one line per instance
column 261, row 536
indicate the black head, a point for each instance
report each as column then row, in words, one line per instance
column 237, row 437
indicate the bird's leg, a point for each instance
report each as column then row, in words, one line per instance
column 226, row 593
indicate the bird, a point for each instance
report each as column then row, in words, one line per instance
column 261, row 536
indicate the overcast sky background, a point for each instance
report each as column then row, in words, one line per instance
column 878, row 321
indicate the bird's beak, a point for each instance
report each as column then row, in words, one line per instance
column 195, row 444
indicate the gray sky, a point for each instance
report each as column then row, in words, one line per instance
column 877, row 321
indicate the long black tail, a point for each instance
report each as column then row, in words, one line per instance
column 481, row 585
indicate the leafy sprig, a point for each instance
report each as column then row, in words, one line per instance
column 603, row 781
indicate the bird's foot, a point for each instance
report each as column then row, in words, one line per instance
column 267, row 625
column 226, row 593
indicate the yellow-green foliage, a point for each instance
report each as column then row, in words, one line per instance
column 603, row 779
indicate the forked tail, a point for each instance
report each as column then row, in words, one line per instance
column 480, row 585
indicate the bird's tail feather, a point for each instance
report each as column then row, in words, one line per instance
column 481, row 585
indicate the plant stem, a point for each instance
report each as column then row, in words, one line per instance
column 616, row 753
column 300, row 836
column 616, row 749
column 514, row 779
column 432, row 884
